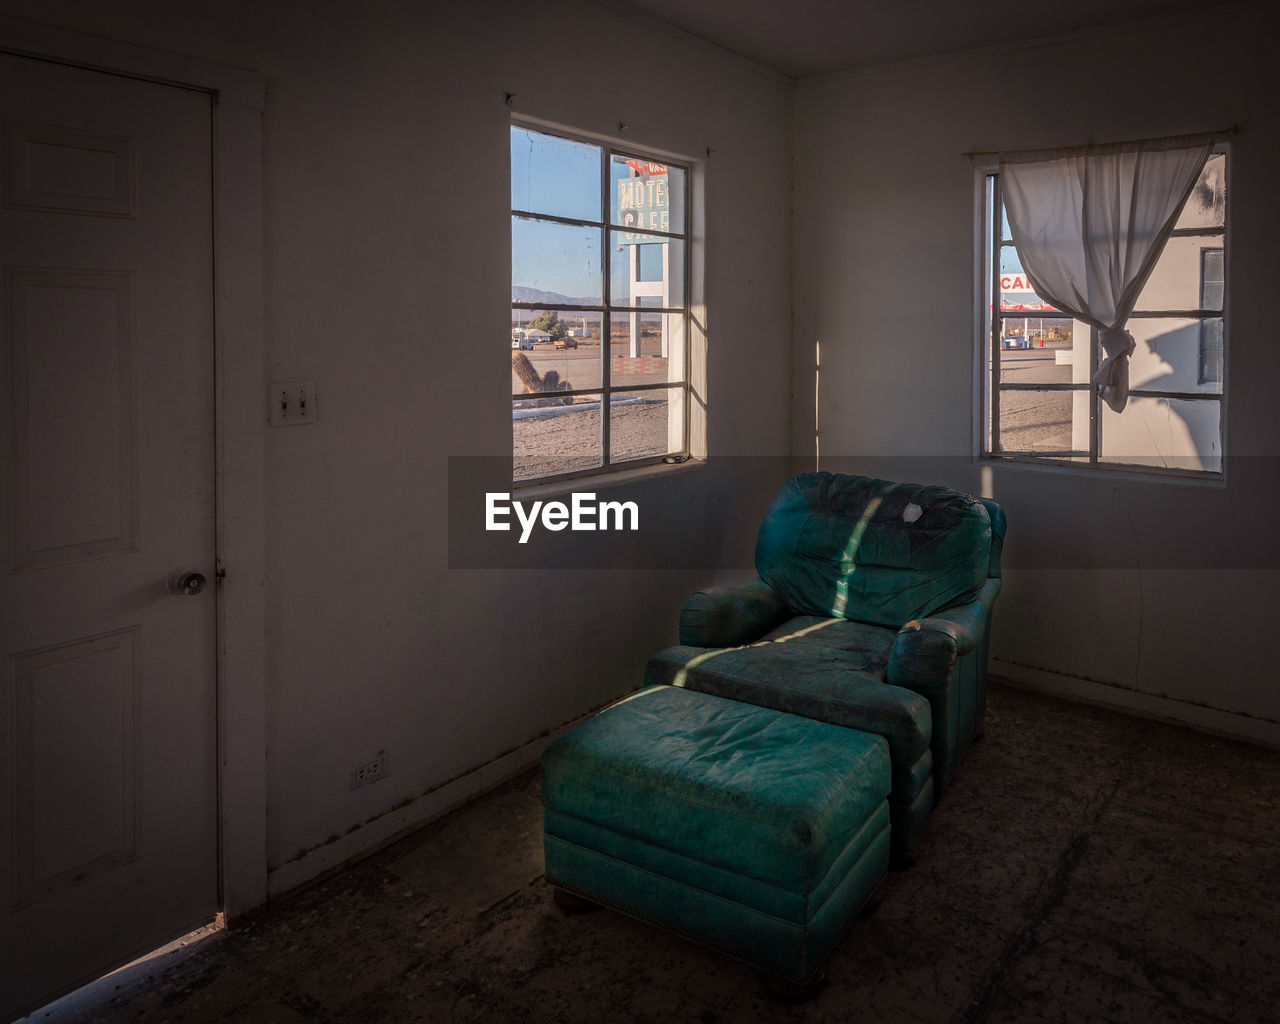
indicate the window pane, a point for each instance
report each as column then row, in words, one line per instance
column 556, row 351
column 646, row 273
column 1175, row 283
column 554, row 175
column 1167, row 354
column 1039, row 350
column 646, row 195
column 1211, row 353
column 1212, row 278
column 552, row 262
column 1172, row 433
column 1206, row 207
column 643, row 424
column 551, row 437
column 660, row 358
column 1041, row 421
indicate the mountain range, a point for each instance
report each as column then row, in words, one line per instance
column 523, row 293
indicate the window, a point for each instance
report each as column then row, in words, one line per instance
column 1038, row 403
column 599, row 306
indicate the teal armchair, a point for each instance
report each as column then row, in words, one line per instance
column 871, row 610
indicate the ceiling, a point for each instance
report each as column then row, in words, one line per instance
column 805, row 38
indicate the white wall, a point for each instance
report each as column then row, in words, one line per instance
column 1150, row 594
column 387, row 283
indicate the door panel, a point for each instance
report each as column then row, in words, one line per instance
column 74, row 489
column 108, row 842
column 65, row 171
column 76, row 765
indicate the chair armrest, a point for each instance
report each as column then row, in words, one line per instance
column 925, row 650
column 728, row 616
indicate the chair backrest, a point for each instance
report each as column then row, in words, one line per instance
column 872, row 550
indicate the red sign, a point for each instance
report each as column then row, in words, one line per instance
column 1019, row 285
column 642, row 167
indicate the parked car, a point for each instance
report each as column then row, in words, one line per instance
column 522, row 343
column 566, row 342
column 1013, row 341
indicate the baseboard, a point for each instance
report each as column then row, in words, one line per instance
column 369, row 838
column 1146, row 705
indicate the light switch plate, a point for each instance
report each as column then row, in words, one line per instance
column 292, row 403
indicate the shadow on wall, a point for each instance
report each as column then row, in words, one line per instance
column 1177, row 433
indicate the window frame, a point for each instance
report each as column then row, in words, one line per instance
column 989, row 322
column 609, row 150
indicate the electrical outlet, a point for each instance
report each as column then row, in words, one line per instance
column 292, row 403
column 369, row 772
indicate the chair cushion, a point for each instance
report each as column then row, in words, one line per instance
column 859, row 645
column 767, row 795
column 858, row 548
column 816, row 684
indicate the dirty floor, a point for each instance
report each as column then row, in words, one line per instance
column 1085, row 866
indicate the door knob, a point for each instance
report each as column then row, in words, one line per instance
column 186, row 582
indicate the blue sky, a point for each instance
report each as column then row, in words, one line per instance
column 561, row 177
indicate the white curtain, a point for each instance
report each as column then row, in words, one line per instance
column 1089, row 225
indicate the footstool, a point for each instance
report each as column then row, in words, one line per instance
column 759, row 833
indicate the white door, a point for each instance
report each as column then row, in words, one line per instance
column 108, row 836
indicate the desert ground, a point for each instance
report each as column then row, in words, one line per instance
column 552, row 438
column 581, row 366
column 562, row 442
column 1034, row 421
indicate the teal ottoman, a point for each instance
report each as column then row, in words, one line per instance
column 759, row 833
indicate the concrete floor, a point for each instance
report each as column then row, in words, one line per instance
column 1085, row 866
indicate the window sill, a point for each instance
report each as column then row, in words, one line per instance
column 1106, row 471
column 539, row 489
